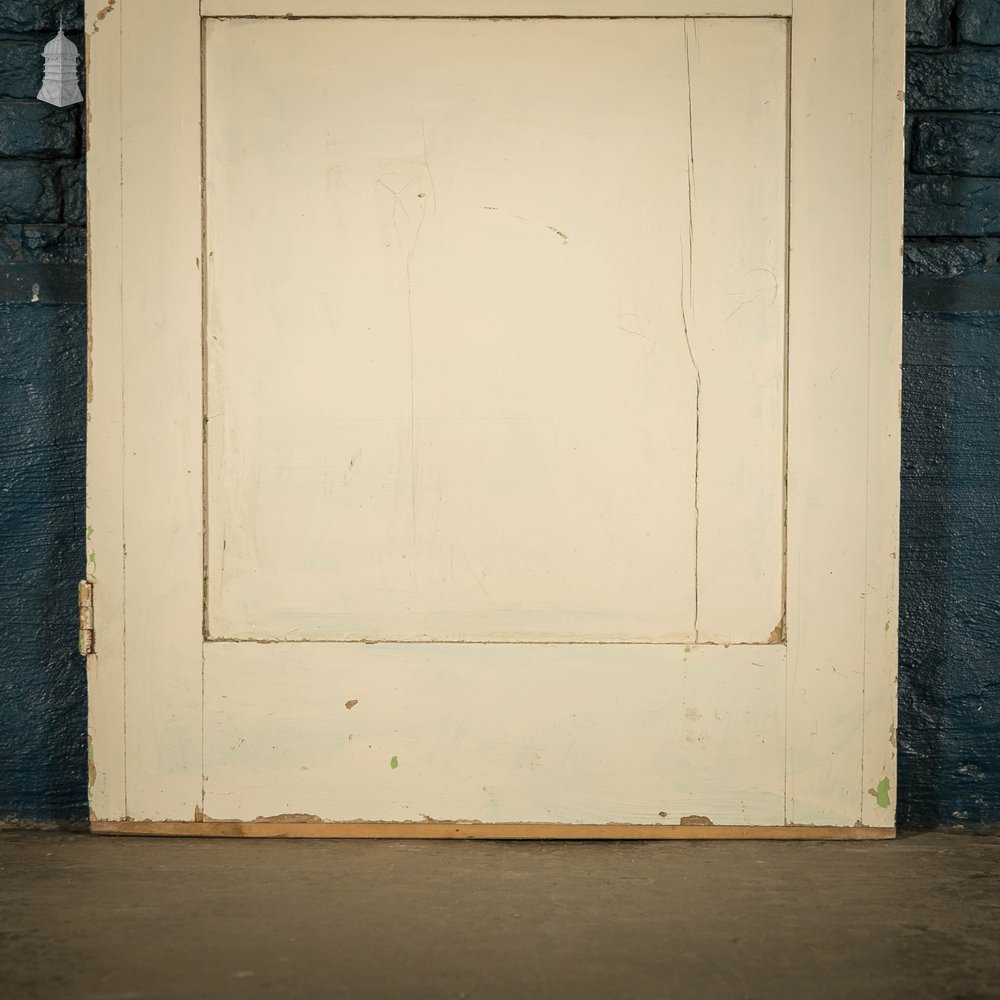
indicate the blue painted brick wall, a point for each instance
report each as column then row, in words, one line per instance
column 949, row 678
column 43, row 758
column 950, row 549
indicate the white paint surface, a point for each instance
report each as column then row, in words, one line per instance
column 496, row 8
column 544, row 733
column 615, row 732
column 528, row 348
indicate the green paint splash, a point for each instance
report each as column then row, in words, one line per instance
column 882, row 793
column 394, row 763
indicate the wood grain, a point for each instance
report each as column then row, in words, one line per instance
column 105, row 416
column 736, row 319
column 833, row 369
column 822, row 716
column 161, row 279
column 494, row 732
column 884, row 393
column 480, row 401
column 488, row 831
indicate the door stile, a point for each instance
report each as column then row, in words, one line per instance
column 878, row 779
column 161, row 164
column 105, row 442
column 838, row 241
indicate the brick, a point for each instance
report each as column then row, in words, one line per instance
column 952, row 206
column 978, row 292
column 957, row 80
column 20, row 68
column 29, row 192
column 41, row 15
column 74, row 182
column 21, row 64
column 928, row 22
column 953, row 341
column 950, row 258
column 962, row 145
column 45, row 244
column 11, row 248
column 979, row 22
column 54, row 244
column 37, row 130
column 43, row 283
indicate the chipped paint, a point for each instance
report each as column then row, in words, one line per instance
column 881, row 793
column 696, row 821
column 85, row 620
column 350, row 703
column 394, row 762
column 424, row 818
column 91, row 767
column 288, row 818
column 101, row 15
column 199, row 815
column 86, row 136
column 89, row 256
column 892, row 734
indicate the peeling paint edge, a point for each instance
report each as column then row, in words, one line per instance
column 101, row 15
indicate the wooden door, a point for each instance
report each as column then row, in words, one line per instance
column 494, row 419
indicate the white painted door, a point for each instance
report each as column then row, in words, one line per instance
column 495, row 418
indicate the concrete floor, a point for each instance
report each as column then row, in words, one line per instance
column 116, row 919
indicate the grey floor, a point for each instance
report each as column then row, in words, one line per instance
column 117, row 919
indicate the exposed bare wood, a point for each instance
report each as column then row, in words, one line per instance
column 489, row 831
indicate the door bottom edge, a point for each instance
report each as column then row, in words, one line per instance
column 483, row 831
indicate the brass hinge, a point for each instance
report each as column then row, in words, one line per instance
column 86, row 592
